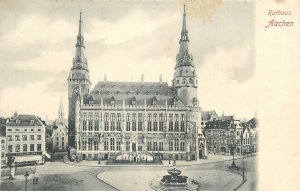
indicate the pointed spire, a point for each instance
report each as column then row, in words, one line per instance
column 61, row 109
column 183, row 56
column 80, row 59
column 184, row 31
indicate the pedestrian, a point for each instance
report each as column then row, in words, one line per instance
column 37, row 179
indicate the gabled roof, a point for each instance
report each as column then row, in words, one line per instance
column 127, row 93
column 226, row 117
column 138, row 88
column 218, row 124
column 25, row 120
column 253, row 123
column 206, row 115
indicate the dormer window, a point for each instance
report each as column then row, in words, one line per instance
column 175, row 101
column 18, row 121
column 31, row 122
column 154, row 101
column 112, row 101
column 133, row 101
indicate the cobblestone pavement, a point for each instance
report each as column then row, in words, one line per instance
column 59, row 176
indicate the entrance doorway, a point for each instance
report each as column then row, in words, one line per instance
column 200, row 154
column 133, row 147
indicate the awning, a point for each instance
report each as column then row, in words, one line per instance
column 28, row 158
column 47, row 155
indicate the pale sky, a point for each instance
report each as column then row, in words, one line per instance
column 125, row 40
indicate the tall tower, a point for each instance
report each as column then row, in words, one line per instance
column 79, row 76
column 185, row 78
column 61, row 109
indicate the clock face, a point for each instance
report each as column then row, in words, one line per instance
column 75, row 90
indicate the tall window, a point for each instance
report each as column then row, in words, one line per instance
column 32, row 137
column 17, row 148
column 112, row 125
column 118, row 145
column 84, row 122
column 31, row 147
column 96, row 123
column 140, row 122
column 105, row 125
column 84, row 145
column 155, row 146
column 176, row 145
column 127, row 122
column 39, row 137
column 90, row 144
column 112, row 144
column 96, row 145
column 106, row 145
column 154, row 122
column 170, row 146
column 182, row 146
column 134, row 126
column 127, row 146
column 161, row 146
column 39, row 147
column 170, row 122
column 182, row 128
column 161, row 122
column 25, row 148
column 149, row 122
column 118, row 116
column 90, row 123
column 9, row 147
column 17, row 137
column 118, row 125
column 176, row 122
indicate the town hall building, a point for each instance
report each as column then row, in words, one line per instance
column 134, row 121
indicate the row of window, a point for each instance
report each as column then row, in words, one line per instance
column 215, row 132
column 62, row 138
column 24, row 137
column 62, row 144
column 133, row 117
column 221, row 141
column 23, row 129
column 25, row 148
column 115, row 145
column 133, row 126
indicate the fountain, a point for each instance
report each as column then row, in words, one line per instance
column 174, row 178
column 174, row 181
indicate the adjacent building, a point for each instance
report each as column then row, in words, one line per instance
column 223, row 135
column 136, row 120
column 228, row 135
column 3, row 141
column 60, row 131
column 25, row 135
column 208, row 116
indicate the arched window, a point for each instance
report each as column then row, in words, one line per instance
column 184, row 81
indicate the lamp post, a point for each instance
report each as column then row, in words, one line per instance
column 26, row 175
column 233, row 165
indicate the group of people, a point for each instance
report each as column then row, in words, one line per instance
column 35, row 180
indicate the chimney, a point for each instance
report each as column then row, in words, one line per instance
column 142, row 78
column 160, row 79
column 105, row 78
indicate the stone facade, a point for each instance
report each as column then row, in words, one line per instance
column 136, row 119
column 25, row 135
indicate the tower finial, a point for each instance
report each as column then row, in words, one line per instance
column 184, row 9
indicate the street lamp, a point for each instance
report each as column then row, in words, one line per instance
column 233, row 165
column 26, row 175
